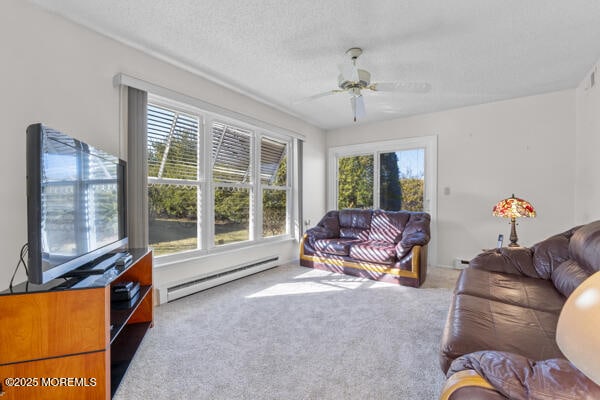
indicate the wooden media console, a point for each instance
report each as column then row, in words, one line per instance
column 60, row 342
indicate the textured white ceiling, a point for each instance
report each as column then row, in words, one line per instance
column 279, row 51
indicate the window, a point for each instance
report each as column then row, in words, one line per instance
column 213, row 183
column 274, row 186
column 400, row 184
column 173, row 180
column 232, row 176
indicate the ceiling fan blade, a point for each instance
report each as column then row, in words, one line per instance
column 358, row 107
column 401, row 87
column 317, row 96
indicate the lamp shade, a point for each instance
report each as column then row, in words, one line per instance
column 578, row 329
column 513, row 207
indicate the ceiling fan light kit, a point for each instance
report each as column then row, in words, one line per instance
column 364, row 80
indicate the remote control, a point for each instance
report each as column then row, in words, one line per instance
column 124, row 260
column 500, row 240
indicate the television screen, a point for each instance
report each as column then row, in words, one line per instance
column 76, row 203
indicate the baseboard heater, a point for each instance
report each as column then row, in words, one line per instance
column 185, row 289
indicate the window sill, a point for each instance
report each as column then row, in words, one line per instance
column 171, row 259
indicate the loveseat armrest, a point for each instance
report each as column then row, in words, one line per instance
column 327, row 228
column 520, row 378
column 318, row 233
column 510, row 260
column 416, row 233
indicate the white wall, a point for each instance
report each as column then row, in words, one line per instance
column 487, row 152
column 59, row 73
column 587, row 163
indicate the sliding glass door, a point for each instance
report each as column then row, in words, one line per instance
column 397, row 176
column 391, row 175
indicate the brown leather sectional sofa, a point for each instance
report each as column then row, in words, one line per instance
column 500, row 337
column 382, row 245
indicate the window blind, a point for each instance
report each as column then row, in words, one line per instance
column 172, row 144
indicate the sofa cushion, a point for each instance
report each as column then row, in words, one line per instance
column 535, row 293
column 384, row 228
column 568, row 276
column 354, row 233
column 354, row 218
column 550, row 253
column 584, row 247
column 373, row 251
column 331, row 222
column 355, row 224
column 339, row 247
column 475, row 323
column 509, row 260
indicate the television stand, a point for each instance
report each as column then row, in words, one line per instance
column 70, row 343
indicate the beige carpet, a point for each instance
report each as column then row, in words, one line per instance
column 296, row 333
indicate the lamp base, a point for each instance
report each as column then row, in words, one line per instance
column 513, row 234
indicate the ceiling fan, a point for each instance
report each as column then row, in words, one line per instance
column 354, row 80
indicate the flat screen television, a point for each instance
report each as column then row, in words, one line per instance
column 76, row 205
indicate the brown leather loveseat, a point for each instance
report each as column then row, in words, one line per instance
column 382, row 245
column 500, row 336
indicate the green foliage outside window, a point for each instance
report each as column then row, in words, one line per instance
column 398, row 191
column 355, row 182
column 232, row 205
column 412, row 191
column 390, row 191
column 275, row 204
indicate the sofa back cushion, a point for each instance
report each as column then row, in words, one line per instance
column 355, row 224
column 552, row 252
column 584, row 247
column 387, row 226
column 331, row 222
column 568, row 276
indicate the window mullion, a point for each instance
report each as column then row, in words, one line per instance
column 208, row 215
column 289, row 206
column 376, row 188
column 200, row 232
column 256, row 212
column 258, row 193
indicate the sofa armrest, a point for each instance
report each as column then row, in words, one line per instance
column 327, row 228
column 510, row 260
column 468, row 381
column 520, row 378
column 416, row 238
column 319, row 232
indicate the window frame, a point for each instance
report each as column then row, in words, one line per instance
column 206, row 185
column 287, row 187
